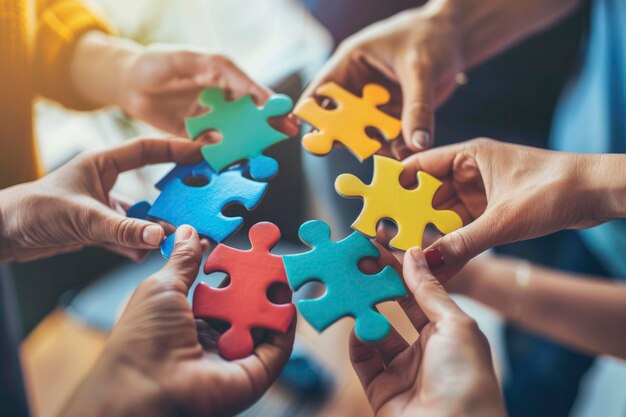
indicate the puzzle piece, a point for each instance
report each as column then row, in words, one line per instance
column 349, row 292
column 201, row 206
column 347, row 123
column 245, row 130
column 386, row 198
column 244, row 303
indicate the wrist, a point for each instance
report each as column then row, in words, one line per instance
column 114, row 388
column 604, row 179
column 7, row 253
column 99, row 65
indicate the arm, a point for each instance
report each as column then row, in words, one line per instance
column 60, row 24
column 587, row 313
column 418, row 54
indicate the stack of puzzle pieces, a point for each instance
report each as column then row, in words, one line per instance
column 235, row 170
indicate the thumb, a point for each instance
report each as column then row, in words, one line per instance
column 184, row 263
column 418, row 109
column 455, row 249
column 107, row 226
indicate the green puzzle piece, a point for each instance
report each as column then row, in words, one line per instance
column 245, row 130
column 349, row 292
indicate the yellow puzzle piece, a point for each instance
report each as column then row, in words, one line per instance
column 386, row 198
column 347, row 122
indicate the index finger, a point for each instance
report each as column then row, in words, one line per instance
column 137, row 153
column 438, row 162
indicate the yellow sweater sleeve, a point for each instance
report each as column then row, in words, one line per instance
column 59, row 25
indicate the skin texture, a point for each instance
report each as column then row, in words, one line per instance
column 553, row 303
column 165, row 363
column 447, row 372
column 73, row 207
column 507, row 193
column 158, row 84
column 418, row 54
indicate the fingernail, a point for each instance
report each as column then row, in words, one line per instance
column 434, row 258
column 153, row 235
column 183, row 233
column 421, row 139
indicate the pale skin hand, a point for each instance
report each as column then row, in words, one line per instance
column 159, row 361
column 506, row 193
column 158, row 84
column 447, row 372
column 553, row 303
column 73, row 207
column 417, row 54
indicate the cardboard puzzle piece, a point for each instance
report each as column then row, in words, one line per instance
column 347, row 123
column 386, row 198
column 349, row 292
column 245, row 131
column 201, row 206
column 243, row 302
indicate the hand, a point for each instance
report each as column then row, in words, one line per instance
column 506, row 193
column 161, row 87
column 154, row 363
column 72, row 207
column 447, row 372
column 159, row 84
column 416, row 55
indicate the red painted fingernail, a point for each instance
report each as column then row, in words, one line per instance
column 434, row 258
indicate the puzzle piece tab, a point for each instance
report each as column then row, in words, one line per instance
column 386, row 198
column 243, row 302
column 245, row 130
column 347, row 123
column 349, row 292
column 201, row 206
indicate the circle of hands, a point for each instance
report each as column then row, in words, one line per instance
column 168, row 359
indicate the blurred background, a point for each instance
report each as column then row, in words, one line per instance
column 68, row 303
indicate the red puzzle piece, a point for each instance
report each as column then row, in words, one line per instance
column 244, row 303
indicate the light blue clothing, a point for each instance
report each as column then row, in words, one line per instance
column 591, row 116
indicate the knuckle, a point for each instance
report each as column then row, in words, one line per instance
column 482, row 142
column 125, row 231
column 459, row 243
column 420, row 108
column 222, row 60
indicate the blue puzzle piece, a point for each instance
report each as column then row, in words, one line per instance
column 245, row 130
column 349, row 292
column 201, row 206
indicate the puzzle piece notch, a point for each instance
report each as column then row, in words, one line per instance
column 244, row 303
column 347, row 123
column 386, row 198
column 349, row 292
column 201, row 206
column 245, row 129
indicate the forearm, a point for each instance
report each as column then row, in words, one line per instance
column 98, row 66
column 583, row 312
column 487, row 27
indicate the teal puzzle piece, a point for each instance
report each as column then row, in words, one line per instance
column 349, row 292
column 245, row 130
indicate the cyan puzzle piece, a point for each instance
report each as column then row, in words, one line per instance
column 245, row 130
column 349, row 292
column 201, row 206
